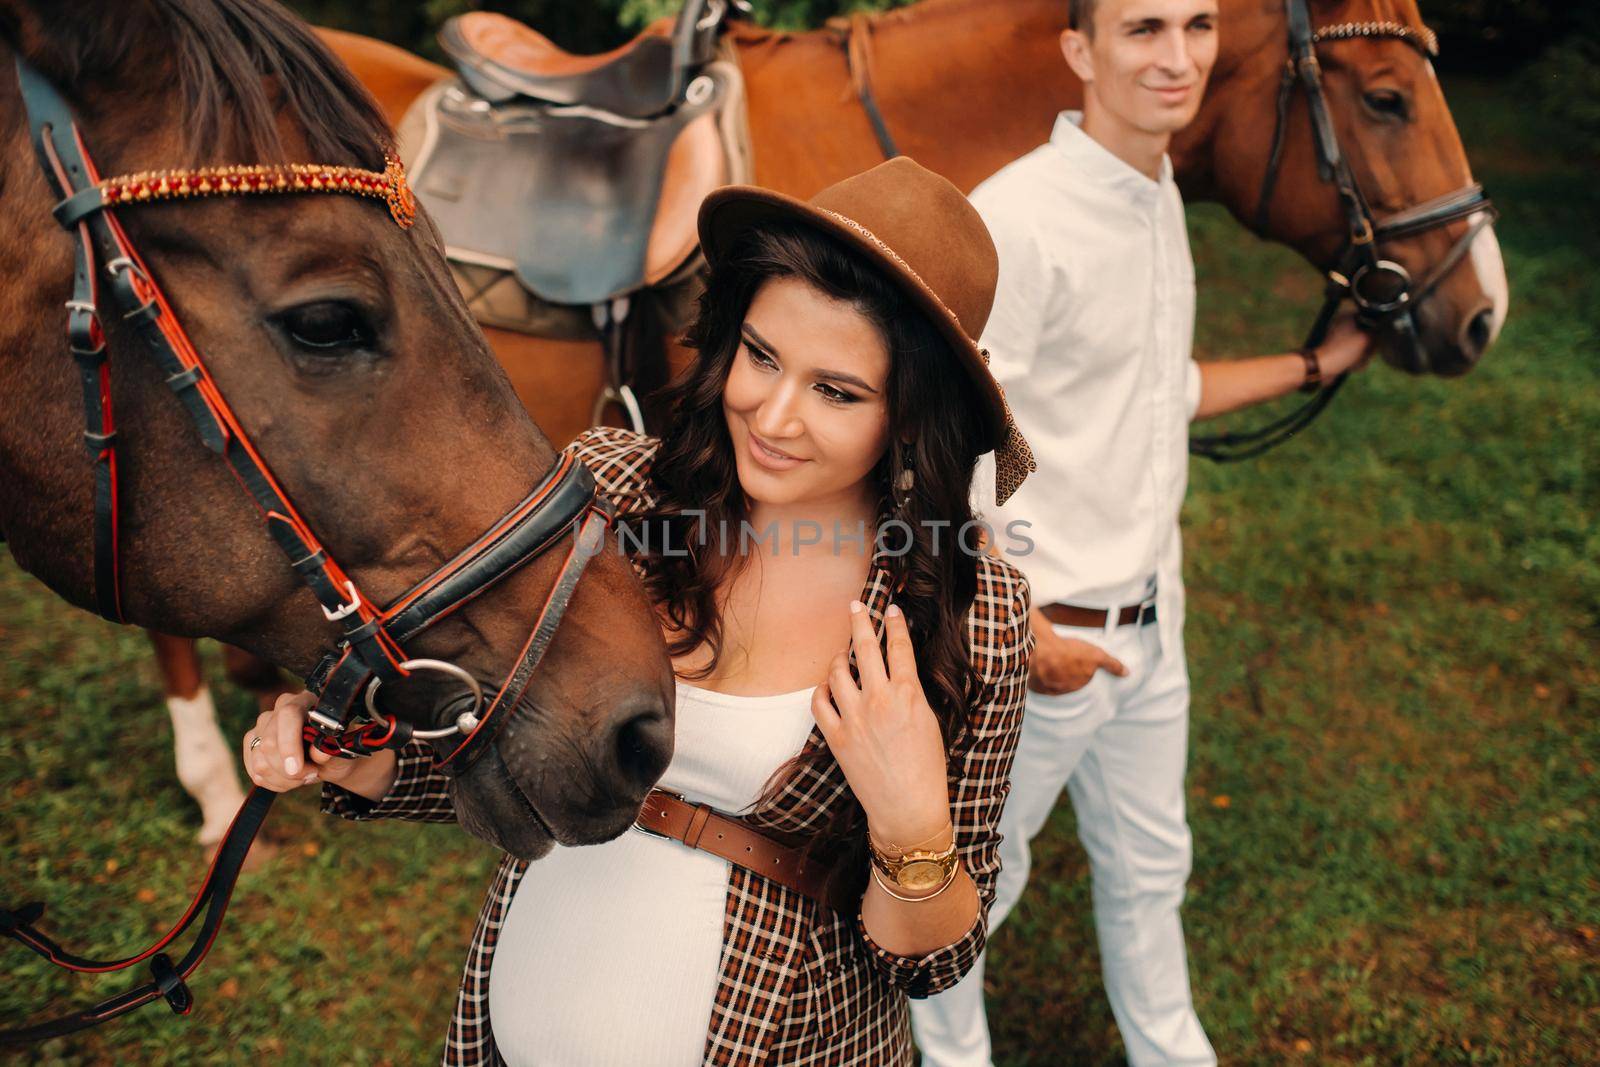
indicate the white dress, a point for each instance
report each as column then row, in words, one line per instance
column 610, row 954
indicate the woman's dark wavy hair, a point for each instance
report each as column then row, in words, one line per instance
column 932, row 425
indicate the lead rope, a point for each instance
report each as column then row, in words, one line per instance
column 168, row 980
column 1234, row 447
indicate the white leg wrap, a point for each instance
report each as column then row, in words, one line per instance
column 205, row 763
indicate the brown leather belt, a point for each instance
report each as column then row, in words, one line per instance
column 1095, row 618
column 700, row 826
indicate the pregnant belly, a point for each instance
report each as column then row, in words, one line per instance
column 609, row 956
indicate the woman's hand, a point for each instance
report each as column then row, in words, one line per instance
column 885, row 736
column 274, row 755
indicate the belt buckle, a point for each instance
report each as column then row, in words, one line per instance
column 647, row 831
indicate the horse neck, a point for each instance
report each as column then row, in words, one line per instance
column 1222, row 154
column 965, row 86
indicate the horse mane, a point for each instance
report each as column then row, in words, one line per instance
column 239, row 66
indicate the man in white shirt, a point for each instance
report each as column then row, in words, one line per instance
column 1091, row 335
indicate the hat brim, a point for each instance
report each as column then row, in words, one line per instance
column 736, row 209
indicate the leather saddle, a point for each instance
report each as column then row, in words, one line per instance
column 501, row 59
column 581, row 174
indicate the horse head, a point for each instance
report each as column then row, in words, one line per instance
column 344, row 350
column 1386, row 117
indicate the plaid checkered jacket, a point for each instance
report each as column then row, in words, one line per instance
column 799, row 983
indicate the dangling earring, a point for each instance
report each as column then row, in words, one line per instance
column 908, row 477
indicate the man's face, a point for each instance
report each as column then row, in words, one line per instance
column 1147, row 61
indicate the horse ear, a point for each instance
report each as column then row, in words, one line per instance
column 73, row 40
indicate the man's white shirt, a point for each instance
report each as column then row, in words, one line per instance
column 1091, row 337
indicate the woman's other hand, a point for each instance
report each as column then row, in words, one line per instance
column 885, row 735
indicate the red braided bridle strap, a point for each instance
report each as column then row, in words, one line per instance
column 264, row 179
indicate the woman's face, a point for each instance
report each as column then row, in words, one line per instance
column 805, row 399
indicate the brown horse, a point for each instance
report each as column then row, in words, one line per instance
column 349, row 358
column 966, row 86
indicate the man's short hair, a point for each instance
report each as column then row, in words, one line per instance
column 1080, row 15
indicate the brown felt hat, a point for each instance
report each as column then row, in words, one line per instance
column 927, row 238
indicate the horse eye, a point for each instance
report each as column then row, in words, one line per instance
column 327, row 327
column 1385, row 103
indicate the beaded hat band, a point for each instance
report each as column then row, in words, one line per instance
column 388, row 185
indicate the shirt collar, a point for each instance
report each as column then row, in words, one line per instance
column 1093, row 157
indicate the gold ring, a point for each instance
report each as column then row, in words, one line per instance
column 254, row 741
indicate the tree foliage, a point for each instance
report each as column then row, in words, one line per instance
column 586, row 26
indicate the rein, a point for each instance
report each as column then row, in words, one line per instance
column 1381, row 289
column 856, row 38
column 370, row 650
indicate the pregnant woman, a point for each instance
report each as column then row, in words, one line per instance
column 851, row 668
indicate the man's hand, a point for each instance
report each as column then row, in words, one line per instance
column 1228, row 385
column 1065, row 664
column 1346, row 349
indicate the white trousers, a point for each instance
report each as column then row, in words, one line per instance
column 1119, row 746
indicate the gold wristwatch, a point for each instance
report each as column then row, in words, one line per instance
column 920, row 871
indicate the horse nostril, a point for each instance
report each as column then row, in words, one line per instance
column 1476, row 334
column 642, row 745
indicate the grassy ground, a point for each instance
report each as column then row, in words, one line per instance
column 1393, row 792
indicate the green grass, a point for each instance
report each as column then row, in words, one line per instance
column 1393, row 631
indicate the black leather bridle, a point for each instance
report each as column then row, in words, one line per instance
column 1382, row 290
column 370, row 650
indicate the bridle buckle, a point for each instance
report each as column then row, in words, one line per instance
column 121, row 263
column 344, row 611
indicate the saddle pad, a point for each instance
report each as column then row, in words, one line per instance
column 566, row 196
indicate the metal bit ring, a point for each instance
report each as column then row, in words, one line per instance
column 465, row 723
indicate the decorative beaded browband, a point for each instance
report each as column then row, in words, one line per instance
column 388, row 185
column 1422, row 39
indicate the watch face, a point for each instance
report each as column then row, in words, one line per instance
column 918, row 875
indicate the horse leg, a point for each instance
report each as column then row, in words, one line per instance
column 252, row 673
column 204, row 758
